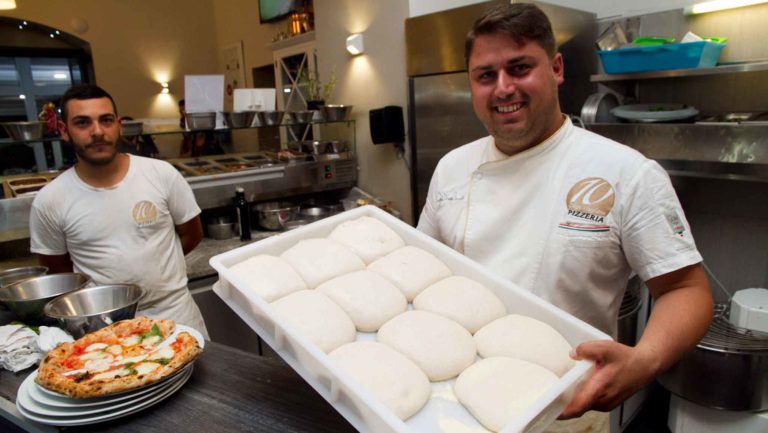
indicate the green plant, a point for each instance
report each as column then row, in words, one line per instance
column 316, row 89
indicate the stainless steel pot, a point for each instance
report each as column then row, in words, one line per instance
column 727, row 370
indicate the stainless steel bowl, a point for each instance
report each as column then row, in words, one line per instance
column 27, row 298
column 300, row 117
column 274, row 215
column 202, row 120
column 93, row 308
column 221, row 228
column 272, row 117
column 239, row 119
column 25, row 130
column 10, row 276
column 335, row 113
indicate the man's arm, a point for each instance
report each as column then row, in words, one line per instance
column 190, row 233
column 681, row 315
column 56, row 264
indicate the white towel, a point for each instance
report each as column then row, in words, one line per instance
column 21, row 347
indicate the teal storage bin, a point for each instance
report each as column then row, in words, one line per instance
column 700, row 54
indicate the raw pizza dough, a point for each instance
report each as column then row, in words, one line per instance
column 318, row 319
column 523, row 337
column 318, row 260
column 440, row 347
column 411, row 269
column 367, row 297
column 391, row 377
column 463, row 300
column 496, row 390
column 270, row 277
column 368, row 237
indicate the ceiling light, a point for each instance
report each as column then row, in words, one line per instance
column 7, row 4
column 718, row 5
column 355, row 44
column 60, row 75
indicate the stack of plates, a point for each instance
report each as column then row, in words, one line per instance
column 48, row 407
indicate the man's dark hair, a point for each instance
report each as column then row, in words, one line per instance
column 522, row 22
column 82, row 92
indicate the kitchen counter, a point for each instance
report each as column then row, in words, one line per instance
column 230, row 390
column 197, row 259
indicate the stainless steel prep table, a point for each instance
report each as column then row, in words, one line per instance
column 229, row 391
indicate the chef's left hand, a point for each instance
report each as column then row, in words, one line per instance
column 620, row 371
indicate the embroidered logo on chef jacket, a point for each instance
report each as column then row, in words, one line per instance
column 589, row 202
column 144, row 213
column 675, row 222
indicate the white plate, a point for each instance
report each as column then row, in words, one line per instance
column 654, row 112
column 30, row 400
column 86, row 419
column 171, row 338
column 39, row 394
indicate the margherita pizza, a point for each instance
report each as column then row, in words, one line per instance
column 123, row 356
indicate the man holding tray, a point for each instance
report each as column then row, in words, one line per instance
column 565, row 213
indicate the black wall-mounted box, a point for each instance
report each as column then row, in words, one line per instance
column 387, row 125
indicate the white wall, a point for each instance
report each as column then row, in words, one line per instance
column 603, row 8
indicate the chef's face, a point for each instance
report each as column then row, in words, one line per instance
column 514, row 90
column 92, row 128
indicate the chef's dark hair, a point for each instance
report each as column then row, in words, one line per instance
column 522, row 22
column 82, row 92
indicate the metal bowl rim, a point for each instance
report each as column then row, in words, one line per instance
column 48, row 307
column 43, row 277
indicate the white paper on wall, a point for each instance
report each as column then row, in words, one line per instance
column 205, row 93
column 254, row 99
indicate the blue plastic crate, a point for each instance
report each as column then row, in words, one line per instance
column 700, row 54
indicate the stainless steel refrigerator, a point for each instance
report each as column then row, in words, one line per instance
column 440, row 110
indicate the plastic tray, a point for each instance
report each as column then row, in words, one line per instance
column 363, row 411
column 700, row 54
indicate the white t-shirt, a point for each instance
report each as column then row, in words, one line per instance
column 568, row 219
column 123, row 234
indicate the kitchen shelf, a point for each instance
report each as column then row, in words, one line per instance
column 721, row 69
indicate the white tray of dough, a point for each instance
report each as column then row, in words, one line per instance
column 442, row 411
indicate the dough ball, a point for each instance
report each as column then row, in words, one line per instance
column 318, row 260
column 411, row 269
column 367, row 297
column 368, row 237
column 439, row 346
column 391, row 377
column 270, row 277
column 526, row 338
column 496, row 390
column 465, row 301
column 318, row 319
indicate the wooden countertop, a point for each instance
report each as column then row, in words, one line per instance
column 230, row 391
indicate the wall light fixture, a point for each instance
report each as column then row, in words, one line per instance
column 7, row 4
column 165, row 89
column 355, row 44
column 718, row 5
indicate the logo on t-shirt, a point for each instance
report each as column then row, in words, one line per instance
column 589, row 201
column 144, row 213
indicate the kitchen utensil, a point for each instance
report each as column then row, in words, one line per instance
column 597, row 108
column 239, row 119
column 612, row 38
column 314, row 213
column 272, row 117
column 221, row 228
column 258, row 119
column 130, row 128
column 24, row 130
column 201, row 120
column 661, row 112
column 294, row 224
column 734, row 363
column 93, row 308
column 335, row 113
column 27, row 298
column 10, row 276
column 273, row 215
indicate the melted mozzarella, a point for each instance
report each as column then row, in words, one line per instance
column 95, row 355
column 146, row 367
column 150, row 342
column 165, row 352
column 111, row 374
column 99, row 364
column 134, row 359
column 95, row 346
column 114, row 349
column 74, row 372
column 131, row 341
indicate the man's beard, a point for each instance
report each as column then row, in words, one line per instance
column 83, row 156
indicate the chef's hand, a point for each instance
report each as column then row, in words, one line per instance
column 620, row 371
